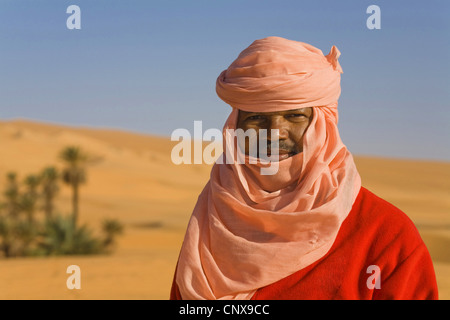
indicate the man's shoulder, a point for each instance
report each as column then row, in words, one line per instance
column 384, row 220
column 372, row 207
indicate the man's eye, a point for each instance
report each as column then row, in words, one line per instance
column 255, row 117
column 296, row 115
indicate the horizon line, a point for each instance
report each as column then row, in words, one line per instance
column 163, row 136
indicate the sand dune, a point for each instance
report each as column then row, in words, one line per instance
column 134, row 181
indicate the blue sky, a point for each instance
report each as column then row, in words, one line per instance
column 151, row 66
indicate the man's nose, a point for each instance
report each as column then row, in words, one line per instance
column 278, row 123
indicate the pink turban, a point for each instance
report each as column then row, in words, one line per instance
column 276, row 74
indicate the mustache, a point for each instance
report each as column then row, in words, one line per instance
column 282, row 146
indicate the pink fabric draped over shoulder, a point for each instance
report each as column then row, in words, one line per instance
column 242, row 236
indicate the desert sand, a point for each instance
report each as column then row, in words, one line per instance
column 134, row 181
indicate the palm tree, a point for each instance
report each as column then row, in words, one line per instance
column 32, row 182
column 5, row 236
column 50, row 187
column 74, row 174
column 27, row 204
column 11, row 194
column 29, row 199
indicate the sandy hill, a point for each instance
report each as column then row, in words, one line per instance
column 135, row 181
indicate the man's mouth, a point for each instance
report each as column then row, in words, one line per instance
column 282, row 154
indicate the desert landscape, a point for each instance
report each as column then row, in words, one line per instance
column 135, row 182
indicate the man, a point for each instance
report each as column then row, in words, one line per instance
column 308, row 231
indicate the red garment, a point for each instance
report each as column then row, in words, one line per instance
column 375, row 233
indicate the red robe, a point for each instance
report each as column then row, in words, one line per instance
column 375, row 241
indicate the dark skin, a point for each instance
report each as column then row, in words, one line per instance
column 292, row 125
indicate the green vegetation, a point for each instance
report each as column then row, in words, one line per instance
column 29, row 223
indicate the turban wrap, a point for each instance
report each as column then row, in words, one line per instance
column 276, row 74
column 242, row 236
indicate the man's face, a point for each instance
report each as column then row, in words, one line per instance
column 291, row 125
